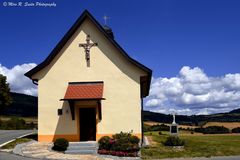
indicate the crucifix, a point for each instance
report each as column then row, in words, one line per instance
column 174, row 114
column 87, row 46
column 174, row 125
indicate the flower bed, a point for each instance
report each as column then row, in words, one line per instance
column 118, row 153
column 122, row 145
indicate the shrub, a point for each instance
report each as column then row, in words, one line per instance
column 121, row 144
column 216, row 130
column 104, row 143
column 15, row 123
column 174, row 141
column 145, row 128
column 212, row 130
column 121, row 135
column 186, row 129
column 161, row 127
column 31, row 125
column 134, row 140
column 236, row 130
column 200, row 130
column 60, row 144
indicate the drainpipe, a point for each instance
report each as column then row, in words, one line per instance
column 142, row 121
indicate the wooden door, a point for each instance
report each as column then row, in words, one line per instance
column 87, row 117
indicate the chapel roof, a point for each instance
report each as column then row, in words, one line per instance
column 68, row 35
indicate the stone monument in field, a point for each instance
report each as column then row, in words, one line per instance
column 174, row 126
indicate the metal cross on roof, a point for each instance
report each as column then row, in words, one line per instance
column 105, row 19
column 87, row 46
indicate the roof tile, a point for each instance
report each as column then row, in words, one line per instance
column 84, row 91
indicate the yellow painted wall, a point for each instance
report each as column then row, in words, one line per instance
column 122, row 107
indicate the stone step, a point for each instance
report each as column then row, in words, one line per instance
column 89, row 147
column 80, row 152
column 82, row 147
column 88, row 143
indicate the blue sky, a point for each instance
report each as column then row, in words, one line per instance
column 164, row 35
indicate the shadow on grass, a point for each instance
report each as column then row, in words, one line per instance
column 32, row 136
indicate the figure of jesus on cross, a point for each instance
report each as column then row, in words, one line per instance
column 87, row 46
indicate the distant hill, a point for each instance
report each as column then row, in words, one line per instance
column 27, row 106
column 235, row 111
column 23, row 105
column 233, row 116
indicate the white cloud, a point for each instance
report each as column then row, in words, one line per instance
column 195, row 75
column 16, row 79
column 152, row 102
column 193, row 92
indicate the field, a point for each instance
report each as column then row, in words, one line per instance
column 150, row 123
column 27, row 119
column 197, row 145
column 229, row 125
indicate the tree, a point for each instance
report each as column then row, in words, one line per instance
column 5, row 98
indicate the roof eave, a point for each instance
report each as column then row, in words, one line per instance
column 80, row 99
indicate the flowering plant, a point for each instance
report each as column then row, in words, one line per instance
column 121, row 144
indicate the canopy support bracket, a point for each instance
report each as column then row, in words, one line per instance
column 72, row 109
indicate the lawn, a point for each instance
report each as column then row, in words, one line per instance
column 196, row 146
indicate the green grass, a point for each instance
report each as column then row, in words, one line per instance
column 12, row 144
column 196, row 146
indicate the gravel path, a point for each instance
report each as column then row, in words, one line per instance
column 42, row 150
